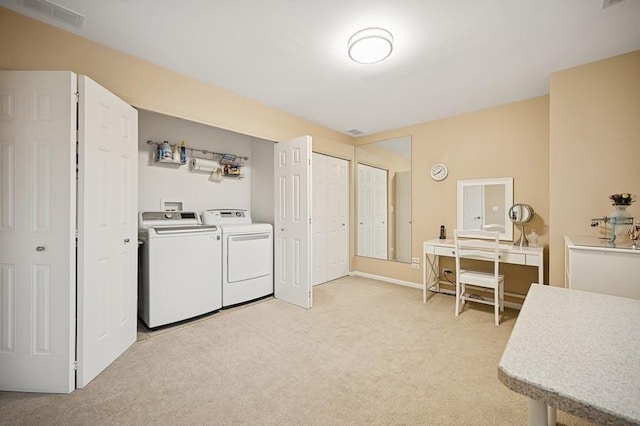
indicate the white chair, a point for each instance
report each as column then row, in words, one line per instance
column 478, row 245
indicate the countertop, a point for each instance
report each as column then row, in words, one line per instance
column 578, row 352
column 621, row 244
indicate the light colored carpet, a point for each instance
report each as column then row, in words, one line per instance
column 367, row 353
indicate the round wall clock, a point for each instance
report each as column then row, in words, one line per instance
column 439, row 172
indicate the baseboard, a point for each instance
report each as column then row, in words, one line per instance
column 386, row 279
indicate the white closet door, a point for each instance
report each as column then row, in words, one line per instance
column 37, row 231
column 338, row 218
column 292, row 228
column 330, row 218
column 107, row 243
column 319, row 223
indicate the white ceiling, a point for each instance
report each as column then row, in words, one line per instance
column 450, row 56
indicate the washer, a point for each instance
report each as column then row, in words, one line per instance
column 181, row 263
column 247, row 255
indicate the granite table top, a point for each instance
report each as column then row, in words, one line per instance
column 577, row 351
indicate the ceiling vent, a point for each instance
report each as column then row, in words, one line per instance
column 609, row 3
column 54, row 11
column 354, row 132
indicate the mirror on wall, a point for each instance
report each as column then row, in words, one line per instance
column 484, row 204
column 383, row 199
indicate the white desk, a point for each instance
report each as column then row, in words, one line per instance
column 433, row 249
column 576, row 351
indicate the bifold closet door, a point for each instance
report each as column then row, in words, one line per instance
column 330, row 222
column 37, row 230
column 108, row 230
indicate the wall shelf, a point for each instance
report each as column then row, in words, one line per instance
column 230, row 164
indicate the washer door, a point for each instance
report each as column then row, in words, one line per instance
column 248, row 256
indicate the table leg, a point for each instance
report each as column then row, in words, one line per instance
column 537, row 413
column 425, row 263
column 429, row 274
column 551, row 416
column 541, row 271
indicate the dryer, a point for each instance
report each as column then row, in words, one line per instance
column 247, row 255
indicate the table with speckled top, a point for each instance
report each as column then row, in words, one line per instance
column 578, row 352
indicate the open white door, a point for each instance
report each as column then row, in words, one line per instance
column 292, row 228
column 37, row 230
column 107, row 243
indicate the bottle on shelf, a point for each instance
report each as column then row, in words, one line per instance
column 183, row 153
column 166, row 151
column 176, row 154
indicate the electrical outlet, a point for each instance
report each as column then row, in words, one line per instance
column 415, row 266
column 415, row 260
column 447, row 271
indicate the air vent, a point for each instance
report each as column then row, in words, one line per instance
column 609, row 3
column 54, row 11
column 354, row 131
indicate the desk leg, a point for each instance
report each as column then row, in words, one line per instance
column 537, row 413
column 425, row 262
column 541, row 271
column 430, row 268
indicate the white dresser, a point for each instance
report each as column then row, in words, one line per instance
column 594, row 264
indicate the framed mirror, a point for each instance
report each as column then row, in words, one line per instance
column 383, row 199
column 484, row 204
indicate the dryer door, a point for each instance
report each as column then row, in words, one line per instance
column 249, row 256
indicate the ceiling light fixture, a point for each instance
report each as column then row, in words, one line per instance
column 370, row 45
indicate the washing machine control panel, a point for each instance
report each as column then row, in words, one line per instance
column 151, row 219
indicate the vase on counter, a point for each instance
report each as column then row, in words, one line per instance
column 616, row 219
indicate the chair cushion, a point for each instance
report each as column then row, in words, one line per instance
column 482, row 279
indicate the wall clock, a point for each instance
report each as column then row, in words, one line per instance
column 439, row 172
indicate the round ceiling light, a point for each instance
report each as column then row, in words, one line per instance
column 370, row 45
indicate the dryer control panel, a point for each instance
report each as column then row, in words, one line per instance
column 225, row 216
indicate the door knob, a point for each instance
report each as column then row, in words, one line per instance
column 281, row 229
column 126, row 240
column 40, row 248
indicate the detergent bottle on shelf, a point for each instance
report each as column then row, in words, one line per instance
column 166, row 151
column 176, row 153
column 183, row 154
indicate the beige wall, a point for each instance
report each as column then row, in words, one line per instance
column 31, row 45
column 507, row 141
column 594, row 147
column 590, row 150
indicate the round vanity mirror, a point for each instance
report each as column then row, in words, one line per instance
column 521, row 214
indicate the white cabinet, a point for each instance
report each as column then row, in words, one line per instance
column 591, row 264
